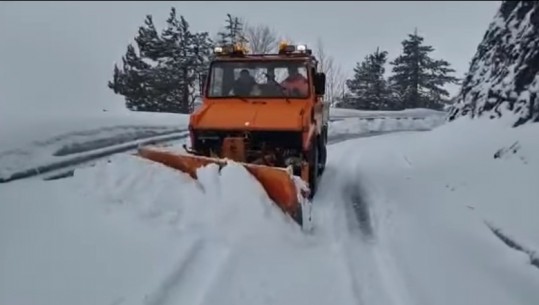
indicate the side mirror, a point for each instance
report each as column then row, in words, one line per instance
column 320, row 83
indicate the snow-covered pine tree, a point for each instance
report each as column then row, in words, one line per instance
column 138, row 80
column 148, row 40
column 177, row 40
column 359, row 86
column 166, row 75
column 191, row 53
column 203, row 53
column 417, row 78
column 232, row 32
column 368, row 87
column 131, row 81
column 504, row 73
column 161, row 85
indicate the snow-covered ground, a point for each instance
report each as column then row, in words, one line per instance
column 399, row 219
column 30, row 141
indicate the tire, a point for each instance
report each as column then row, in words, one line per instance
column 325, row 135
column 298, row 217
column 323, row 157
column 314, row 165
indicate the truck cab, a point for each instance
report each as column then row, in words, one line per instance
column 265, row 109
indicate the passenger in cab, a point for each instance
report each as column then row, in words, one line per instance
column 272, row 87
column 295, row 84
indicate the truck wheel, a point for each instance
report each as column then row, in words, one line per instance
column 298, row 217
column 323, row 157
column 313, row 169
column 325, row 135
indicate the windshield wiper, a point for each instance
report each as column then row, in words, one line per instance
column 241, row 98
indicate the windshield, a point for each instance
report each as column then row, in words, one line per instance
column 258, row 79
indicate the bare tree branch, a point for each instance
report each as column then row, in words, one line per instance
column 335, row 79
column 261, row 38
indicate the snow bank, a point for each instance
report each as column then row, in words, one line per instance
column 431, row 196
column 59, row 247
column 494, row 169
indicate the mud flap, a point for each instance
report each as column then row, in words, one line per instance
column 281, row 186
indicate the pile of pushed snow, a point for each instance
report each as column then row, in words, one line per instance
column 228, row 201
column 504, row 72
column 130, row 231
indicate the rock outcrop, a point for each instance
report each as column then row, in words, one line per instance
column 504, row 73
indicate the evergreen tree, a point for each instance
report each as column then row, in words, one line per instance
column 419, row 79
column 131, row 81
column 368, row 87
column 166, row 75
column 203, row 54
column 233, row 32
column 148, row 40
column 178, row 43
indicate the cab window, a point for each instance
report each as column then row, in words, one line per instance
column 258, row 79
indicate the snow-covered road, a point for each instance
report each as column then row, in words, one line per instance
column 399, row 219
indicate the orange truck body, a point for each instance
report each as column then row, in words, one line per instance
column 274, row 137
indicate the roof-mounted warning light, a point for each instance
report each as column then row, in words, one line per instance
column 285, row 48
column 237, row 49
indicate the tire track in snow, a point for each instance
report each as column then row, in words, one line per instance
column 385, row 270
column 355, row 253
column 335, row 217
column 193, row 274
column 372, row 276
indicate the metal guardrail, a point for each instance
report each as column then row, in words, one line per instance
column 92, row 156
column 398, row 118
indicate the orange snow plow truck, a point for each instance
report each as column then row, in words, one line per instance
column 266, row 112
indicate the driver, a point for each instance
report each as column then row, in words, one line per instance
column 244, row 84
column 295, row 83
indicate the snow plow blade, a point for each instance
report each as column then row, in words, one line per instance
column 278, row 182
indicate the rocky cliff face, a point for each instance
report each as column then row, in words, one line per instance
column 504, row 73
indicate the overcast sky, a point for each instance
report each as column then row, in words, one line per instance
column 60, row 55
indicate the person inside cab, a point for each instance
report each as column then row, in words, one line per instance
column 244, row 85
column 272, row 87
column 295, row 84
